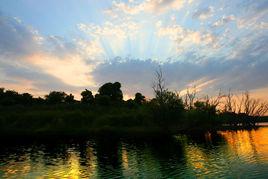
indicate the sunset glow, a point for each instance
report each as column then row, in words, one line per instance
column 72, row 45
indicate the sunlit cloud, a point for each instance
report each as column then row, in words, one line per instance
column 71, row 70
column 185, row 39
column 208, row 44
column 198, row 85
column 53, row 57
column 115, row 36
column 224, row 20
column 148, row 6
column 204, row 13
column 256, row 15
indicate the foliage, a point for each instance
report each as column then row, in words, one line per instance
column 55, row 97
column 166, row 112
column 104, row 100
column 139, row 98
column 87, row 97
column 69, row 99
column 112, row 90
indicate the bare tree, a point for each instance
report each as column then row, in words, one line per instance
column 240, row 103
column 213, row 101
column 254, row 107
column 230, row 103
column 262, row 109
column 159, row 85
column 243, row 103
column 190, row 98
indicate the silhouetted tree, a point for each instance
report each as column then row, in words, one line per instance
column 112, row 90
column 39, row 100
column 131, row 103
column 10, row 98
column 206, row 108
column 172, row 100
column 87, row 97
column 190, row 98
column 2, row 91
column 69, row 99
column 159, row 86
column 102, row 99
column 55, row 97
column 26, row 99
column 139, row 98
column 167, row 105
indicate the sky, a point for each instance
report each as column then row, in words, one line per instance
column 70, row 45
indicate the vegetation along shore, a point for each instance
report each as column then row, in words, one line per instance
column 59, row 113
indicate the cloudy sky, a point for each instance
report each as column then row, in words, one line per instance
column 71, row 45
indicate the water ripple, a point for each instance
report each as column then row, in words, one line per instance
column 228, row 154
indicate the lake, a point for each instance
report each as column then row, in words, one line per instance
column 225, row 154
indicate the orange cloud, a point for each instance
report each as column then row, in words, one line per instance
column 71, row 69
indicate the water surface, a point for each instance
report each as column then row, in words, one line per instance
column 229, row 154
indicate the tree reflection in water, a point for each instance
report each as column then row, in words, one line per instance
column 221, row 154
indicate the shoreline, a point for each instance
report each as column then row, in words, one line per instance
column 139, row 133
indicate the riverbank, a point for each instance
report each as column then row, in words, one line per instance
column 84, row 120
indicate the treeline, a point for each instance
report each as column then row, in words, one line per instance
column 167, row 111
column 108, row 94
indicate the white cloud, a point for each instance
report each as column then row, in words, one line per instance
column 263, row 25
column 224, row 20
column 208, row 77
column 185, row 38
column 16, row 38
column 256, row 16
column 44, row 63
column 204, row 13
column 114, row 35
column 109, row 29
column 90, row 49
column 198, row 85
column 147, row 6
column 173, row 32
column 154, row 29
column 71, row 70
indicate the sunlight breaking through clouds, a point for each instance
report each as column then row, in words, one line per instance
column 208, row 38
column 147, row 6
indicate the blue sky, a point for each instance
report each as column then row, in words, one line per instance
column 71, row 45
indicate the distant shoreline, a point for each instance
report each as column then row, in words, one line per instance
column 131, row 132
column 107, row 113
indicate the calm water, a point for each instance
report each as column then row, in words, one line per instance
column 241, row 154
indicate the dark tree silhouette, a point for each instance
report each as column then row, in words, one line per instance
column 167, row 106
column 69, row 99
column 159, row 86
column 55, row 97
column 139, row 98
column 112, row 90
column 26, row 98
column 2, row 91
column 205, row 107
column 39, row 100
column 10, row 97
column 103, row 99
column 87, row 97
column 131, row 103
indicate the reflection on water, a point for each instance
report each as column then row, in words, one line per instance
column 231, row 154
